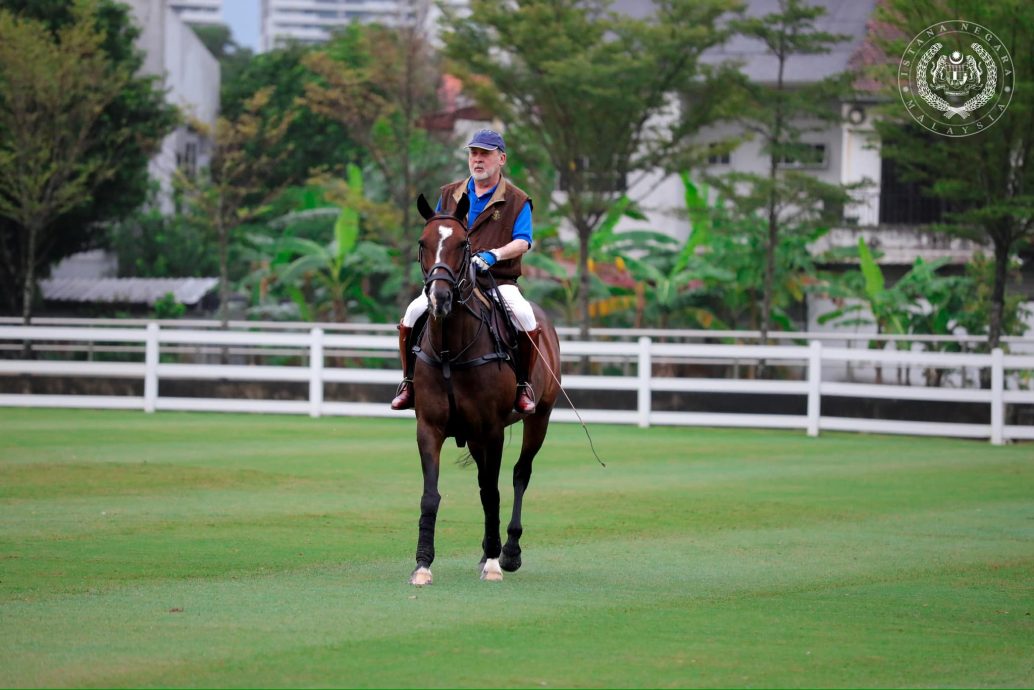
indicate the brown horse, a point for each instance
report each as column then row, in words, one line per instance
column 465, row 386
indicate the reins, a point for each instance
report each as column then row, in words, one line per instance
column 545, row 362
column 449, row 363
column 444, row 359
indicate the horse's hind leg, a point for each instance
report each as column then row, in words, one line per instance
column 430, row 442
column 489, row 458
column 534, row 434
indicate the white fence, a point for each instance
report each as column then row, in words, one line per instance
column 643, row 354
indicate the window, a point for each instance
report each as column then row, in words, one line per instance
column 715, row 157
column 188, row 159
column 804, row 155
column 906, row 202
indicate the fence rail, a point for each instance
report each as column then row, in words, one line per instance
column 313, row 347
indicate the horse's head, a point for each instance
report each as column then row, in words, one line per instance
column 444, row 254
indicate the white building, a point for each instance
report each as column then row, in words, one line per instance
column 191, row 79
column 199, row 11
column 890, row 214
column 313, row 21
column 189, row 75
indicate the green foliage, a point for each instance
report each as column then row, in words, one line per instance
column 312, row 141
column 728, row 244
column 974, row 316
column 149, row 244
column 891, row 308
column 131, row 120
column 582, row 91
column 988, row 177
column 924, row 301
column 168, row 307
column 235, row 188
column 330, row 281
column 781, row 115
column 381, row 85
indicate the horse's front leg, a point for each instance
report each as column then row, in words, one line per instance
column 489, row 458
column 429, row 441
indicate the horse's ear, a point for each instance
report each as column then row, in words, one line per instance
column 425, row 208
column 462, row 208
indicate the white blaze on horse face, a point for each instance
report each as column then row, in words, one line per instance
column 444, row 233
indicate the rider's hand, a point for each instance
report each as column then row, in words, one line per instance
column 484, row 260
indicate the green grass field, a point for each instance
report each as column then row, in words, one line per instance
column 226, row 550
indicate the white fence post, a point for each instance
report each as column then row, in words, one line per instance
column 997, row 395
column 151, row 368
column 316, row 373
column 645, row 367
column 814, row 384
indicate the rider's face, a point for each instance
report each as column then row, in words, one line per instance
column 485, row 165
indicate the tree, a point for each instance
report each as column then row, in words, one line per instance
column 54, row 90
column 150, row 244
column 336, row 274
column 234, row 188
column 780, row 113
column 312, row 141
column 380, row 84
column 589, row 88
column 73, row 113
column 987, row 177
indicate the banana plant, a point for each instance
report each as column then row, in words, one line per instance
column 326, row 280
column 672, row 275
column 920, row 302
column 880, row 306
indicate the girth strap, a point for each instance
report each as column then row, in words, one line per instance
column 446, row 365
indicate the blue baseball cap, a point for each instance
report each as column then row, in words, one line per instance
column 488, row 140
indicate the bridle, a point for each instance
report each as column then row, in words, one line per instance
column 456, row 278
column 463, row 283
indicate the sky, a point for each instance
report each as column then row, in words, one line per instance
column 242, row 16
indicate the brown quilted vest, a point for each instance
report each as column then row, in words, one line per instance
column 494, row 227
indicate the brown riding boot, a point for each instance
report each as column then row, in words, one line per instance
column 404, row 396
column 527, row 352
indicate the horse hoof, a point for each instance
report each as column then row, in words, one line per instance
column 421, row 576
column 491, row 572
column 510, row 563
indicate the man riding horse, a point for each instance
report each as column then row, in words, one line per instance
column 499, row 224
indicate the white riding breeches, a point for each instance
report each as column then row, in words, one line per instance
column 523, row 316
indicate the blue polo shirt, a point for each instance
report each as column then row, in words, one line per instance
column 521, row 227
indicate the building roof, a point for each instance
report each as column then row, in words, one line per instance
column 847, row 17
column 188, row 291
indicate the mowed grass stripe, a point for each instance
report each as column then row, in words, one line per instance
column 339, row 621
column 698, row 557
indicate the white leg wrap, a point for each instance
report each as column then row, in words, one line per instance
column 421, row 577
column 415, row 310
column 492, row 572
column 523, row 315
